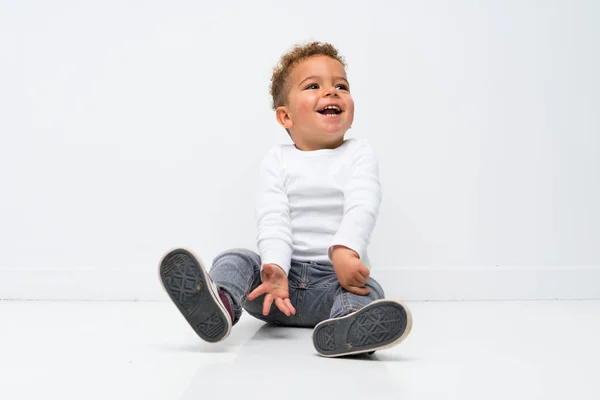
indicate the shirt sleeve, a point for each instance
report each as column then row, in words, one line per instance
column 274, row 227
column 362, row 199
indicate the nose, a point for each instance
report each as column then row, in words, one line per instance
column 331, row 92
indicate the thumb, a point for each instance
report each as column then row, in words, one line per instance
column 358, row 290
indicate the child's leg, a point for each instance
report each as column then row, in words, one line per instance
column 362, row 324
column 237, row 273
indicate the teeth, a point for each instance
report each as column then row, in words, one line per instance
column 336, row 108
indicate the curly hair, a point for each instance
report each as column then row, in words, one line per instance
column 298, row 53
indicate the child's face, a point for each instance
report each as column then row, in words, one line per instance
column 314, row 84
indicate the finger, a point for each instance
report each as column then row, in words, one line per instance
column 267, row 304
column 282, row 306
column 288, row 303
column 357, row 280
column 364, row 271
column 358, row 290
column 261, row 289
column 360, row 280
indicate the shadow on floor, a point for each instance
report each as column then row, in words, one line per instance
column 281, row 361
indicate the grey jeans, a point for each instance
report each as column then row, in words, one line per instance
column 315, row 291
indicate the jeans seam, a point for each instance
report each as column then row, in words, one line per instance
column 252, row 276
column 346, row 301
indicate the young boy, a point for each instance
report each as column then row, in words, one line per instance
column 318, row 202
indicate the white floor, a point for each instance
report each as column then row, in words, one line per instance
column 457, row 350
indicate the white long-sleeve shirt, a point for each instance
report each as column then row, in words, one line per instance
column 310, row 201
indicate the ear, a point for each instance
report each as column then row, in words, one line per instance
column 283, row 117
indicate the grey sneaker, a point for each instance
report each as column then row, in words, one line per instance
column 379, row 325
column 204, row 306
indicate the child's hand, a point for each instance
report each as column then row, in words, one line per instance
column 352, row 274
column 275, row 285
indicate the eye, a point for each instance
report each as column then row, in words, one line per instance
column 312, row 86
column 341, row 86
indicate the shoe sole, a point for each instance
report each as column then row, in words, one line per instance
column 189, row 286
column 379, row 325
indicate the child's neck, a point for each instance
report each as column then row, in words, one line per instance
column 302, row 146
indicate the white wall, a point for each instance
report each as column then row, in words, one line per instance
column 129, row 128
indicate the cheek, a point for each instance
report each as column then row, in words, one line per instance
column 306, row 105
column 350, row 108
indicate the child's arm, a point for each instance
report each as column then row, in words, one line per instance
column 362, row 198
column 274, row 230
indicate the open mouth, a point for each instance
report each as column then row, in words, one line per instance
column 330, row 110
